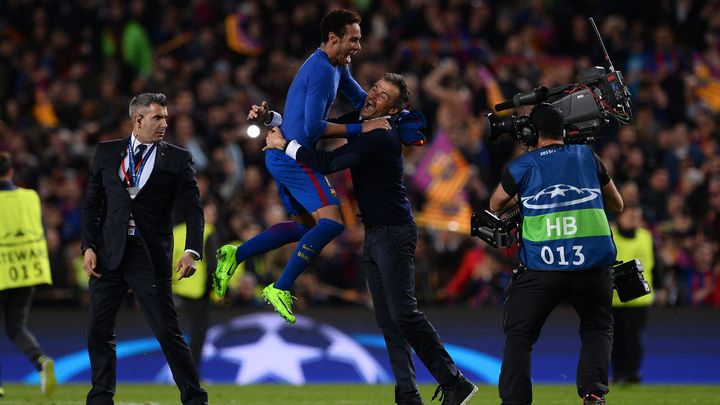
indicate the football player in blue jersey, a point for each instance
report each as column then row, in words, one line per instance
column 308, row 196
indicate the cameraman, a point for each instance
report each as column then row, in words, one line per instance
column 566, row 254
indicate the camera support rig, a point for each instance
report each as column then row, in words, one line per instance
column 497, row 230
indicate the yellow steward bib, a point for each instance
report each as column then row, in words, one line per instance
column 192, row 287
column 23, row 249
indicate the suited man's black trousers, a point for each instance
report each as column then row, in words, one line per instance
column 153, row 293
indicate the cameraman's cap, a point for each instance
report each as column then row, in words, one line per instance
column 547, row 119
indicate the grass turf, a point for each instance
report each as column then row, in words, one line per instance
column 355, row 394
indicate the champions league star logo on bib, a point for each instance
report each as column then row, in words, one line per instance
column 560, row 195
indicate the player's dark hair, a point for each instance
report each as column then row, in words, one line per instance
column 404, row 91
column 336, row 21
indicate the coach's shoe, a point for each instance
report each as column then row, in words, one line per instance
column 408, row 398
column 594, row 399
column 281, row 300
column 48, row 382
column 457, row 392
column 225, row 269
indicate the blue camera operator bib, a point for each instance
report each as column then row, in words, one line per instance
column 564, row 223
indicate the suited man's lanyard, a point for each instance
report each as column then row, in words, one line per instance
column 136, row 170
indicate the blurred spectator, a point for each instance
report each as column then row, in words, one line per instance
column 480, row 280
column 654, row 196
column 445, row 86
column 184, row 132
column 704, row 277
column 633, row 241
column 125, row 41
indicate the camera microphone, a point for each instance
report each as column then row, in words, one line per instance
column 537, row 95
column 505, row 105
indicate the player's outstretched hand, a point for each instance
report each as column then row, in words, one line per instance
column 376, row 123
column 259, row 113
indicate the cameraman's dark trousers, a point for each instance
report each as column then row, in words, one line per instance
column 388, row 261
column 531, row 297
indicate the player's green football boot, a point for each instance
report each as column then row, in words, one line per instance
column 281, row 300
column 226, row 266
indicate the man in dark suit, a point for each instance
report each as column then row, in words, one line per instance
column 127, row 243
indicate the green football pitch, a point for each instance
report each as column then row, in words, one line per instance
column 356, row 395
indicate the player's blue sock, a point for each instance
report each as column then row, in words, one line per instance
column 277, row 235
column 307, row 249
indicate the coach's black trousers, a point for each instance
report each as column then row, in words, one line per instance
column 153, row 294
column 531, row 297
column 388, row 261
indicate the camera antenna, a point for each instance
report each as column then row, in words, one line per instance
column 597, row 33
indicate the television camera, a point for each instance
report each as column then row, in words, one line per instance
column 629, row 281
column 585, row 106
column 497, row 230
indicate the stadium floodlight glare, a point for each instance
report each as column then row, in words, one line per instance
column 253, row 131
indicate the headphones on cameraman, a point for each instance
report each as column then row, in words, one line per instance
column 546, row 118
column 529, row 136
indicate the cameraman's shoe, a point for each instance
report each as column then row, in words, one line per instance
column 408, row 398
column 457, row 392
column 594, row 399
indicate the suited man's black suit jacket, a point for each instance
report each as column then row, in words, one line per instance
column 107, row 206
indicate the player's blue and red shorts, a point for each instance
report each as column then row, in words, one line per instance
column 301, row 189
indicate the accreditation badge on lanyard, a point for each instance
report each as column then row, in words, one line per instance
column 136, row 169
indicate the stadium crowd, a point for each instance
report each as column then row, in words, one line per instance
column 67, row 70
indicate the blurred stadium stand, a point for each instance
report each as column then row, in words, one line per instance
column 67, row 70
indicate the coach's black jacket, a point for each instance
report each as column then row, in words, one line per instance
column 376, row 166
column 107, row 206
